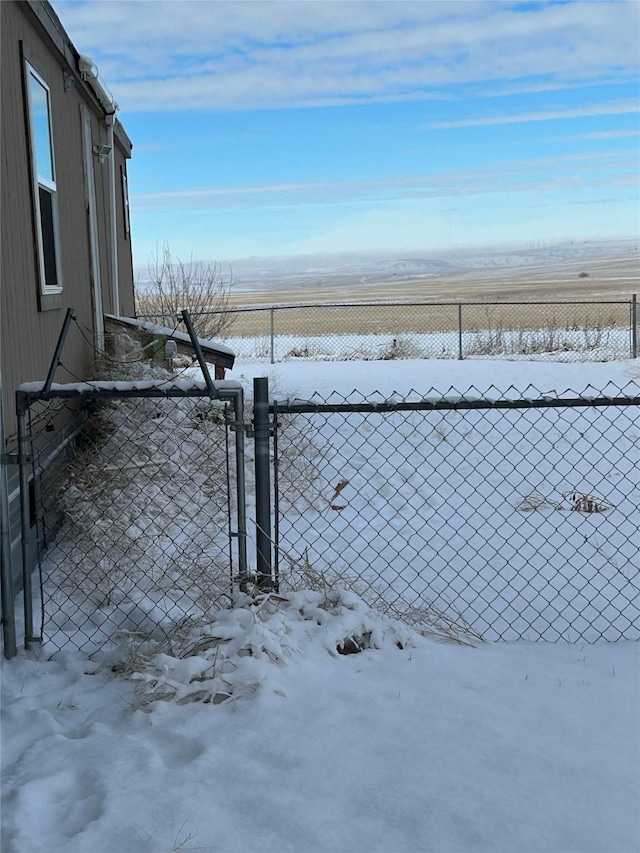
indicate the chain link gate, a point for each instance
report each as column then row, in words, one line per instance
column 129, row 513
column 470, row 514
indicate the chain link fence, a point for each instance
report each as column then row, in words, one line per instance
column 473, row 514
column 552, row 330
column 469, row 515
column 129, row 519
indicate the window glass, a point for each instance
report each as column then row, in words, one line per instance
column 45, row 190
column 41, row 124
column 47, row 225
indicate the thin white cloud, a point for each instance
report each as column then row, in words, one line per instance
column 244, row 55
column 606, row 168
column 618, row 108
column 534, row 88
column 595, row 201
column 598, row 134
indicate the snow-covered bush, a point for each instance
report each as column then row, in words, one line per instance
column 238, row 653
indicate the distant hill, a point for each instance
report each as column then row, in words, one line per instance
column 259, row 272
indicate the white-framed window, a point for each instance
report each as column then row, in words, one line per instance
column 45, row 189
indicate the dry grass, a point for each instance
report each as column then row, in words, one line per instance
column 425, row 618
column 145, row 505
column 318, row 321
column 575, row 502
column 610, row 277
column 586, row 503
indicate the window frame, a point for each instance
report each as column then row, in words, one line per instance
column 41, row 183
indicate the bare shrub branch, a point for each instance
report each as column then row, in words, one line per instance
column 201, row 289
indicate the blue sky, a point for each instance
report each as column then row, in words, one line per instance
column 280, row 128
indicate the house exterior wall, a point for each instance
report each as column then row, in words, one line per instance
column 29, row 324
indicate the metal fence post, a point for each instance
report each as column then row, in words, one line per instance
column 261, row 433
column 272, row 323
column 238, row 403
column 459, row 331
column 8, row 614
column 634, row 325
column 24, row 458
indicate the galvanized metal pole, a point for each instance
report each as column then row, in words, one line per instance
column 55, row 361
column 22, row 407
column 195, row 343
column 634, row 325
column 263, row 482
column 272, row 325
column 459, row 331
column 276, row 501
column 8, row 614
column 238, row 404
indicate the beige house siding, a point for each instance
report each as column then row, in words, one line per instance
column 29, row 326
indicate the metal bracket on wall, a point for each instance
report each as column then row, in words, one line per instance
column 13, row 459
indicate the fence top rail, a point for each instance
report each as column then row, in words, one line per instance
column 122, row 390
column 396, row 304
column 448, row 404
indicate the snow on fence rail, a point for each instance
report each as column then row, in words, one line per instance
column 550, row 330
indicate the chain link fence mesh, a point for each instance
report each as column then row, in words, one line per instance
column 131, row 520
column 553, row 330
column 473, row 515
column 487, row 518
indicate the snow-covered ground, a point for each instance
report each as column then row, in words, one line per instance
column 582, row 345
column 409, row 745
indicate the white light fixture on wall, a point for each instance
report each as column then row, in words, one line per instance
column 101, row 151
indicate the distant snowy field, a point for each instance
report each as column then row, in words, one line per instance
column 262, row 273
column 255, row 271
column 410, row 746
